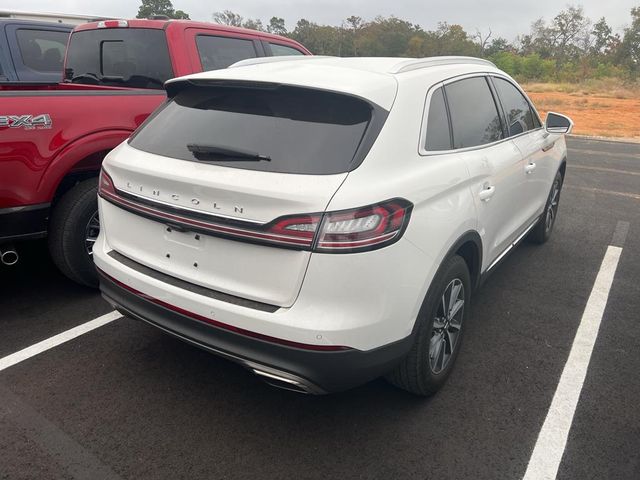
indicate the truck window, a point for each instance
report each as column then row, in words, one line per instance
column 42, row 50
column 119, row 57
column 281, row 50
column 220, row 52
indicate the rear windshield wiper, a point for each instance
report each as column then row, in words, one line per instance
column 216, row 153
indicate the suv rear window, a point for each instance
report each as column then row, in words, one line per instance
column 42, row 50
column 300, row 130
column 119, row 57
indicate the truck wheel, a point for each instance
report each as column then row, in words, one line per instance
column 441, row 324
column 73, row 229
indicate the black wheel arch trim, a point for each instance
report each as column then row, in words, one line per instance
column 470, row 236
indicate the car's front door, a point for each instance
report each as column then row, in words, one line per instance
column 534, row 143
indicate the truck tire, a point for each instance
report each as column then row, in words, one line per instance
column 73, row 218
column 426, row 367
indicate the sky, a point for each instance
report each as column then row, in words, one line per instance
column 506, row 18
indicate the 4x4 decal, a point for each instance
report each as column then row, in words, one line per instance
column 28, row 122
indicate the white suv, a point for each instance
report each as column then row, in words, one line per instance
column 324, row 221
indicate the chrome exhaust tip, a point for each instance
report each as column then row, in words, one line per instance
column 8, row 255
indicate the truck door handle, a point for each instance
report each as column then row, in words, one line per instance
column 487, row 193
column 530, row 168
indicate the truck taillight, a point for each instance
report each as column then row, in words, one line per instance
column 349, row 231
column 112, row 24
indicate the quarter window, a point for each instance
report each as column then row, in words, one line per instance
column 42, row 50
column 520, row 119
column 474, row 116
column 438, row 134
column 220, row 52
column 279, row 50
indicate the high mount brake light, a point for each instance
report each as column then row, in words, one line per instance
column 112, row 23
column 345, row 231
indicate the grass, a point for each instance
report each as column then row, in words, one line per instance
column 604, row 87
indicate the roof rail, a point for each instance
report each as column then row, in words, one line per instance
column 418, row 63
column 282, row 58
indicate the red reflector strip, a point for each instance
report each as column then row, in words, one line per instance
column 225, row 326
column 204, row 225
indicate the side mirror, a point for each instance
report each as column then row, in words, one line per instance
column 557, row 123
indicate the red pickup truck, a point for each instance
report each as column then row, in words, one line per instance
column 53, row 137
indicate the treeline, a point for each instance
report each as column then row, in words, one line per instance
column 570, row 47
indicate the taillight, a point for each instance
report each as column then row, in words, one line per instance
column 365, row 228
column 346, row 231
column 106, row 188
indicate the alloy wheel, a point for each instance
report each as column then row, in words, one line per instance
column 447, row 326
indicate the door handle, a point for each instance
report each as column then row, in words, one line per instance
column 487, row 193
column 548, row 146
column 530, row 168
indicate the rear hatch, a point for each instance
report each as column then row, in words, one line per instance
column 224, row 180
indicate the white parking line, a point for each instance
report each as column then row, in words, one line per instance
column 56, row 340
column 552, row 440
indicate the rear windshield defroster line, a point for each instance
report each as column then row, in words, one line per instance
column 300, row 130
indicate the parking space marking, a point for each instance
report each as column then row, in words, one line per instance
column 600, row 190
column 56, row 340
column 552, row 439
column 603, row 169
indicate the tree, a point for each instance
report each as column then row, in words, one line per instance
column 228, row 17
column 277, row 26
column 630, row 47
column 253, row 24
column 150, row 8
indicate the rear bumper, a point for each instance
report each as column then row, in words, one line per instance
column 304, row 370
column 25, row 222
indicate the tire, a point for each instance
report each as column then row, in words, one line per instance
column 69, row 230
column 422, row 371
column 543, row 229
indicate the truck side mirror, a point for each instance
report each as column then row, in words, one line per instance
column 557, row 123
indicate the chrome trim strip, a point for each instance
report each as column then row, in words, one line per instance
column 512, row 244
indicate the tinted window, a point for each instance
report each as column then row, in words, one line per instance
column 42, row 50
column 474, row 116
column 121, row 57
column 516, row 107
column 220, row 52
column 438, row 135
column 300, row 130
column 279, row 50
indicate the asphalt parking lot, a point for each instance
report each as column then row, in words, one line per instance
column 126, row 401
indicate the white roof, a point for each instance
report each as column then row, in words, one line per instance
column 375, row 79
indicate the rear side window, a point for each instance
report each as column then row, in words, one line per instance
column 438, row 134
column 281, row 50
column 474, row 116
column 283, row 129
column 42, row 50
column 121, row 57
column 516, row 107
column 220, row 52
